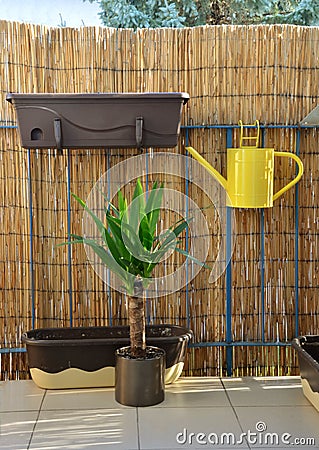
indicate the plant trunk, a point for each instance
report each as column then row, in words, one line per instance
column 136, row 315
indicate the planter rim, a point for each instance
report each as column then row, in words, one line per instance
column 184, row 333
column 96, row 96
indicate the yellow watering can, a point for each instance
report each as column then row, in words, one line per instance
column 250, row 173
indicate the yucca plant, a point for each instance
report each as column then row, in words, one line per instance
column 130, row 247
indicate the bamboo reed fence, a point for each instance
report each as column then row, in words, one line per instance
column 270, row 73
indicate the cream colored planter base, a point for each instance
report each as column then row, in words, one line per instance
column 312, row 396
column 76, row 378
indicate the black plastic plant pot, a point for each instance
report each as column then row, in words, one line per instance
column 99, row 120
column 61, row 358
column 140, row 381
column 307, row 348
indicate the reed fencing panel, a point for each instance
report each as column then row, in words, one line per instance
column 268, row 294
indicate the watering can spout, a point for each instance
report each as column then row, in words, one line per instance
column 221, row 180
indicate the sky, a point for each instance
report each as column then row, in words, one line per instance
column 75, row 13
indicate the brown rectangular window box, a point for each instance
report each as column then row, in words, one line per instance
column 99, row 120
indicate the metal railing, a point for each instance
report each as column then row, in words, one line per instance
column 229, row 343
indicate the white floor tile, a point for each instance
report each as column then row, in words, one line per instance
column 86, row 429
column 270, row 391
column 16, row 429
column 20, row 396
column 284, row 423
column 80, row 399
column 173, row 427
column 91, row 418
column 195, row 392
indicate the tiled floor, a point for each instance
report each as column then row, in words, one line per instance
column 197, row 413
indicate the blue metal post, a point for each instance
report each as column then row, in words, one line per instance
column 262, row 271
column 296, row 242
column 109, row 290
column 188, row 319
column 69, row 235
column 229, row 337
column 262, row 257
column 147, row 309
column 31, row 241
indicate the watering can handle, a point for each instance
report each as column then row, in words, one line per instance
column 249, row 138
column 296, row 179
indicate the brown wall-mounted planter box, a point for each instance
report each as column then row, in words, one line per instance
column 61, row 358
column 99, row 120
column 307, row 348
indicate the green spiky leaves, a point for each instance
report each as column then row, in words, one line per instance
column 128, row 242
